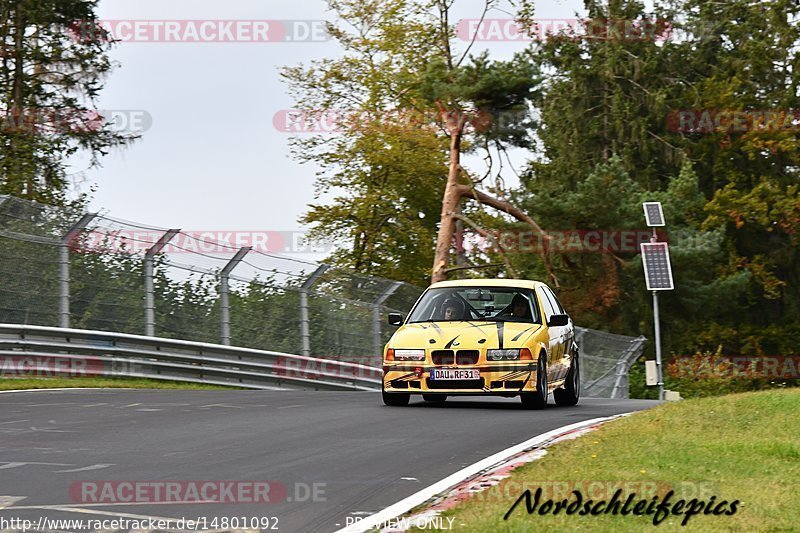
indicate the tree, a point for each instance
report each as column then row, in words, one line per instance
column 400, row 61
column 607, row 141
column 53, row 60
column 749, row 168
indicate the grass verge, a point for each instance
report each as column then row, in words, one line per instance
column 742, row 447
column 106, row 383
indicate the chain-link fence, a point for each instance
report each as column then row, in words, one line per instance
column 63, row 267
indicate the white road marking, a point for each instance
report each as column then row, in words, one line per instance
column 87, row 468
column 8, row 501
column 409, row 479
column 147, row 410
column 15, row 421
column 46, row 430
column 15, row 464
column 419, row 498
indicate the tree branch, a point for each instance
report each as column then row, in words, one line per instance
column 483, row 233
column 509, row 208
column 470, row 267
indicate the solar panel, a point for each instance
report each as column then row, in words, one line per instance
column 657, row 268
column 654, row 214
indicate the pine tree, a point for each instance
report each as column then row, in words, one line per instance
column 53, row 61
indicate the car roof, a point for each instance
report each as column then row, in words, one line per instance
column 497, row 282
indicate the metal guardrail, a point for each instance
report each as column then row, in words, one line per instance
column 36, row 350
column 606, row 359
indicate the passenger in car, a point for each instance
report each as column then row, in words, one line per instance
column 520, row 307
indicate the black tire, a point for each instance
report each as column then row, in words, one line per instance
column 434, row 398
column 538, row 399
column 571, row 393
column 396, row 399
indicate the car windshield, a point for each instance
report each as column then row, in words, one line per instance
column 476, row 303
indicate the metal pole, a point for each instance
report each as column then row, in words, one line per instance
column 63, row 267
column 224, row 293
column 305, row 334
column 149, row 296
column 63, row 285
column 376, row 317
column 658, row 346
column 149, row 299
column 657, row 321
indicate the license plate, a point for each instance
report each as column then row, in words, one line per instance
column 448, row 374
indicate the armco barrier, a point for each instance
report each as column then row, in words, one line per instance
column 34, row 351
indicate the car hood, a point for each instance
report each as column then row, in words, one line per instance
column 464, row 335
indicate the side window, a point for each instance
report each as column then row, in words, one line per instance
column 548, row 307
column 554, row 301
column 535, row 304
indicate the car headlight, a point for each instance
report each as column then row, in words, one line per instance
column 500, row 355
column 409, row 355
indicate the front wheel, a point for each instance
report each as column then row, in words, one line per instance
column 396, row 399
column 571, row 392
column 538, row 399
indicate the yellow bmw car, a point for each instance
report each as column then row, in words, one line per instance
column 501, row 337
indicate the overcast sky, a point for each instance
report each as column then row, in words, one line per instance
column 212, row 158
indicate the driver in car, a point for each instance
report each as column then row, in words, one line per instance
column 453, row 309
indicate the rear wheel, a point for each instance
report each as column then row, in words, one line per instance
column 395, row 399
column 538, row 399
column 571, row 392
column 434, row 398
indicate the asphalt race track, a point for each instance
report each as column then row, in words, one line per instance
column 337, row 454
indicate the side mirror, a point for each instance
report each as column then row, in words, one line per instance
column 558, row 320
column 395, row 319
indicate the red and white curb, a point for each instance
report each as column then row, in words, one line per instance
column 477, row 477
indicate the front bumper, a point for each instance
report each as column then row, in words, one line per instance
column 501, row 379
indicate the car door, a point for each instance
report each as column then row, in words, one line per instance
column 554, row 346
column 566, row 336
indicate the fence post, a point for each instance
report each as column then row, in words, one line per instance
column 224, row 293
column 149, row 298
column 376, row 316
column 305, row 336
column 63, row 267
